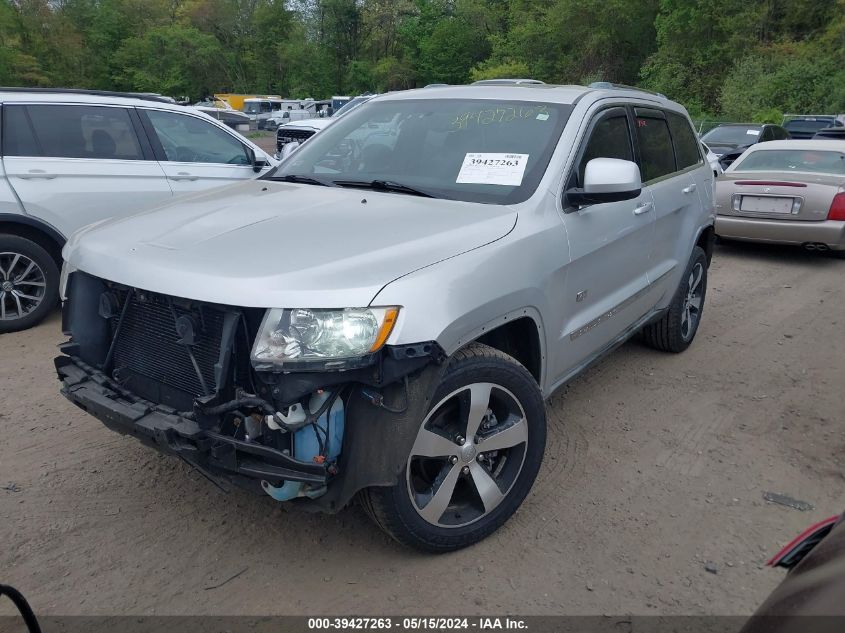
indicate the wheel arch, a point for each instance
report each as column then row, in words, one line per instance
column 32, row 229
column 517, row 334
column 706, row 240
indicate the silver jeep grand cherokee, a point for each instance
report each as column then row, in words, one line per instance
column 384, row 314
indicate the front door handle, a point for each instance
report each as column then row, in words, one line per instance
column 37, row 173
column 689, row 189
column 645, row 207
column 183, row 175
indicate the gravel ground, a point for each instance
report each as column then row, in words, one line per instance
column 654, row 473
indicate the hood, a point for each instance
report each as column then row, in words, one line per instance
column 273, row 244
column 311, row 124
column 725, row 148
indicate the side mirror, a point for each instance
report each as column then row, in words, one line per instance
column 257, row 163
column 607, row 180
column 288, row 149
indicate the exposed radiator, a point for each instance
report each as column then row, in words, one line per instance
column 148, row 343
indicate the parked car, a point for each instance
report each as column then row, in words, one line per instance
column 384, row 316
column 712, row 160
column 300, row 131
column 729, row 140
column 805, row 127
column 785, row 192
column 813, row 588
column 287, row 116
column 225, row 113
column 71, row 157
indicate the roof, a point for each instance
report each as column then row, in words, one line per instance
column 58, row 95
column 740, row 125
column 548, row 93
column 801, row 144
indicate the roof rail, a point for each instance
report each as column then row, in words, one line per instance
column 146, row 96
column 506, row 82
column 607, row 85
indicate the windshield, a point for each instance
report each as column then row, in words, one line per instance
column 252, row 107
column 461, row 149
column 820, row 162
column 733, row 135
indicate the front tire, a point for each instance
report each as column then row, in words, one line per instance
column 29, row 283
column 476, row 455
column 676, row 330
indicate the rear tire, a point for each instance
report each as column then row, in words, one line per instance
column 676, row 330
column 29, row 283
column 454, row 493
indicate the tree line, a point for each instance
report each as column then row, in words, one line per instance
column 735, row 59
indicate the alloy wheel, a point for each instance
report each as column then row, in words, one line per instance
column 468, row 453
column 23, row 286
column 692, row 302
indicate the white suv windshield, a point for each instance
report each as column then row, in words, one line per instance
column 461, row 149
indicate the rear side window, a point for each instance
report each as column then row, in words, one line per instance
column 687, row 153
column 610, row 138
column 657, row 157
column 71, row 131
column 18, row 138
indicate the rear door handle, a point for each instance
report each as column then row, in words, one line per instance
column 689, row 189
column 183, row 175
column 37, row 173
column 645, row 207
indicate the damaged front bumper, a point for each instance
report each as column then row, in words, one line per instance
column 218, row 457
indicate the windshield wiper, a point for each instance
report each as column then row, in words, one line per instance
column 306, row 180
column 384, row 185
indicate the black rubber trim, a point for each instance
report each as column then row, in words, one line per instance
column 26, row 220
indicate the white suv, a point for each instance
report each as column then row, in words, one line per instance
column 385, row 312
column 69, row 158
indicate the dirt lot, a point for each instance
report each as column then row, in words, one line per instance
column 656, row 465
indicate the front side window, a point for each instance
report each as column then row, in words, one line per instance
column 476, row 150
column 798, row 160
column 684, row 141
column 610, row 138
column 657, row 157
column 72, row 131
column 189, row 139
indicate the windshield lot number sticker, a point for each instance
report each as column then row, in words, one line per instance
column 493, row 169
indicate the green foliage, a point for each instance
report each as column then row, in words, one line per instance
column 724, row 59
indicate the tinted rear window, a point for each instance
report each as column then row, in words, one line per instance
column 687, row 151
column 70, row 131
column 18, row 137
column 815, row 161
column 808, row 125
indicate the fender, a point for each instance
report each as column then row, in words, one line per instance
column 40, row 225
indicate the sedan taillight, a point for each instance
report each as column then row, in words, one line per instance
column 837, row 207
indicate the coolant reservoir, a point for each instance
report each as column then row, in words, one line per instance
column 306, row 446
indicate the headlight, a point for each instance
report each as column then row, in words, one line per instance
column 321, row 339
